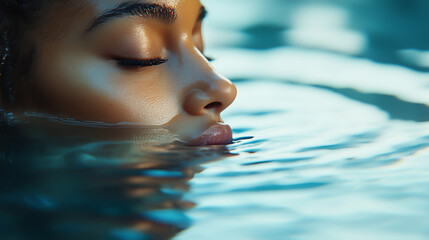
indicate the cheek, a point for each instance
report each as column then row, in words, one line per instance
column 94, row 89
column 151, row 96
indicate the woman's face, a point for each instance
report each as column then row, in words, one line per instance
column 131, row 61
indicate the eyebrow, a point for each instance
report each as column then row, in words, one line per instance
column 162, row 13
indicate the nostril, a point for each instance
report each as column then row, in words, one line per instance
column 213, row 105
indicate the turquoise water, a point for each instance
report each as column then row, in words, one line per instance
column 336, row 95
column 331, row 129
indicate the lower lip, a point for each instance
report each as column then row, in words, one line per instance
column 215, row 135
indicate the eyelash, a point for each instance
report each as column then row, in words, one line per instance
column 141, row 63
column 210, row 59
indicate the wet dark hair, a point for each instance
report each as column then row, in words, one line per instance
column 17, row 17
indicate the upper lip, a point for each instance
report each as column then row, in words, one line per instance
column 217, row 134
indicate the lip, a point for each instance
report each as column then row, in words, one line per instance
column 218, row 134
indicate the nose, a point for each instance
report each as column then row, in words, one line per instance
column 213, row 94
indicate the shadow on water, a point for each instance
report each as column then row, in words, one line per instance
column 396, row 108
column 75, row 182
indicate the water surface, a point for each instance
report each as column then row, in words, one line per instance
column 331, row 129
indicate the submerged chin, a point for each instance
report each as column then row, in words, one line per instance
column 189, row 130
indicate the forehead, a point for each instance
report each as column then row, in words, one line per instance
column 101, row 6
column 74, row 15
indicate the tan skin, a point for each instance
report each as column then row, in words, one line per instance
column 79, row 73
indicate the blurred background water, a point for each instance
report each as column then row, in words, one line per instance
column 335, row 96
column 336, row 93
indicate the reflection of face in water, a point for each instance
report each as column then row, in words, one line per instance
column 72, row 182
column 140, row 61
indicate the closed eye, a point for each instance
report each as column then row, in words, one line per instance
column 139, row 63
column 210, row 59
